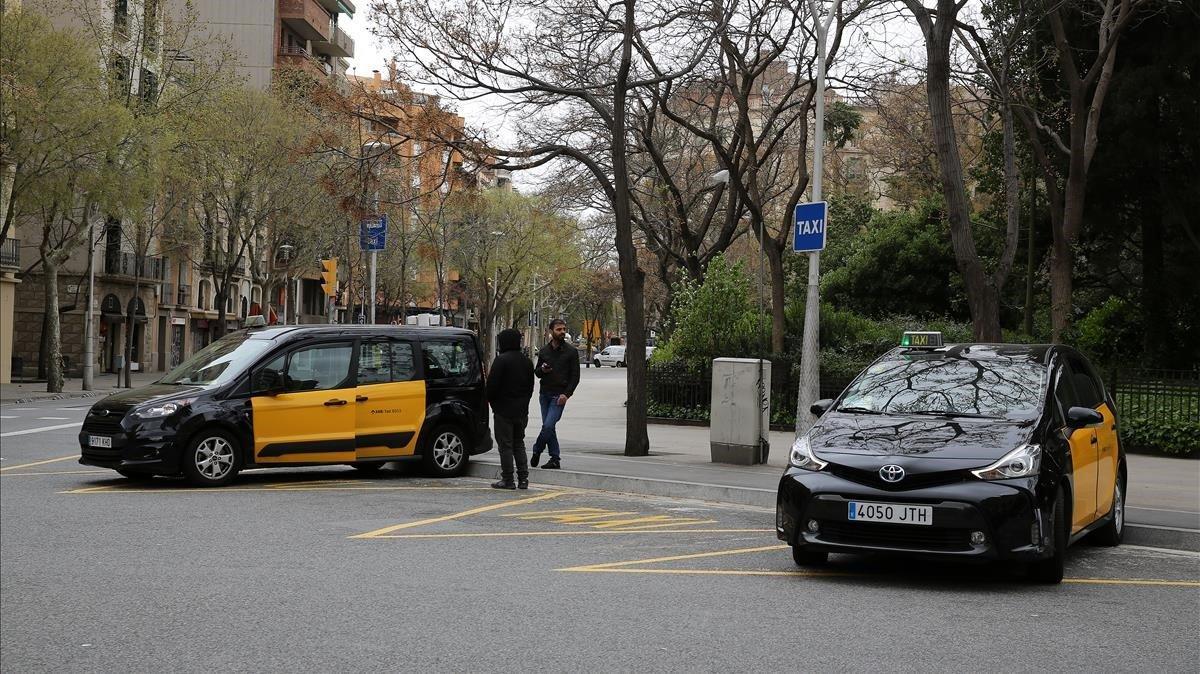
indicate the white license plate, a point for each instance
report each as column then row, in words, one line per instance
column 892, row 513
column 100, row 441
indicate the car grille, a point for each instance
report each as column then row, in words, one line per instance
column 102, row 455
column 908, row 537
column 871, row 478
column 107, row 425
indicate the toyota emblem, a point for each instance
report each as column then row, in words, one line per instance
column 891, row 473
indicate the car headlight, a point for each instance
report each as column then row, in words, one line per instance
column 164, row 409
column 1021, row 462
column 802, row 456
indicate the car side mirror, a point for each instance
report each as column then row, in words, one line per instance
column 1082, row 417
column 821, row 406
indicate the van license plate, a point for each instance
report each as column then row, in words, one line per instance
column 100, row 441
column 892, row 513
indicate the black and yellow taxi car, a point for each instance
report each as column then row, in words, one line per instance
column 976, row 451
column 301, row 396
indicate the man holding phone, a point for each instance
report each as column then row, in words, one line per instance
column 558, row 368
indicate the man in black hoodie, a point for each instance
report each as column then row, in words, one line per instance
column 509, row 388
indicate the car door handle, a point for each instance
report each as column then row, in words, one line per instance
column 335, row 402
column 360, row 399
column 1095, row 440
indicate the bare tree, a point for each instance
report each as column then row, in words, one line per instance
column 542, row 58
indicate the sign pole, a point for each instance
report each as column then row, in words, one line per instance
column 371, row 317
column 810, row 371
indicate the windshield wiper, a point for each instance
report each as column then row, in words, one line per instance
column 949, row 413
column 858, row 410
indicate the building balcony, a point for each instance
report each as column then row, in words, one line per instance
column 10, row 254
column 166, row 294
column 307, row 18
column 339, row 44
column 183, row 296
column 299, row 58
column 147, row 267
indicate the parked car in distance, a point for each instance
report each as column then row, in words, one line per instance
column 612, row 356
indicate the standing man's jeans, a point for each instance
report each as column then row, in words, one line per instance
column 551, row 413
column 510, row 438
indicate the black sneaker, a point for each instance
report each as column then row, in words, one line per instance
column 501, row 484
column 533, row 460
column 523, row 484
column 551, row 464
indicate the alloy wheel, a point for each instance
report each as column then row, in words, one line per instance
column 214, row 458
column 448, row 451
column 1119, row 506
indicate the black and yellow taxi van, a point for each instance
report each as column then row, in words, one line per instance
column 301, row 396
column 988, row 452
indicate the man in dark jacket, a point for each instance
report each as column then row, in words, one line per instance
column 558, row 368
column 509, row 388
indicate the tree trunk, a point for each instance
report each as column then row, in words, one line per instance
column 130, row 322
column 637, row 441
column 53, row 336
column 985, row 317
column 778, row 290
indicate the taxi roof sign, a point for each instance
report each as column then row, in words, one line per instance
column 929, row 340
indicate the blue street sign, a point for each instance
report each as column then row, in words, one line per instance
column 372, row 233
column 808, row 232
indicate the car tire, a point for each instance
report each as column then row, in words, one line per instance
column 134, row 476
column 1050, row 570
column 1112, row 533
column 806, row 556
column 212, row 459
column 368, row 467
column 596, row 363
column 446, row 452
column 620, row 364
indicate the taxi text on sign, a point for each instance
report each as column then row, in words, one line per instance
column 808, row 232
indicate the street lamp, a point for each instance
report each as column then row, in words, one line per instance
column 284, row 252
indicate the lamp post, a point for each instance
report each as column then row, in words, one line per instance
column 495, row 304
column 810, row 371
column 286, row 253
column 89, row 354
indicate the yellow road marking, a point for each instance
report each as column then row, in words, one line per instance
column 718, row 553
column 614, row 532
column 691, row 523
column 465, row 513
column 637, row 522
column 600, row 518
column 59, row 472
column 117, row 489
column 1132, row 581
column 836, row 574
column 39, row 463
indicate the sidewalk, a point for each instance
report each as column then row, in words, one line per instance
column 103, row 384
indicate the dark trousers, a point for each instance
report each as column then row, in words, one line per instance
column 510, row 439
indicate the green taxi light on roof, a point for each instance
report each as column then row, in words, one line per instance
column 919, row 340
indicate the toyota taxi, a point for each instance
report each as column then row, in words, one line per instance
column 971, row 451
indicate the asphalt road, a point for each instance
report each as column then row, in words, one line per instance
column 323, row 569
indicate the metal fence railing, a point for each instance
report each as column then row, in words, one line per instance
column 1151, row 395
column 1156, row 396
column 687, row 394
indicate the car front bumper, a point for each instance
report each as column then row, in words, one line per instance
column 1005, row 512
column 150, row 450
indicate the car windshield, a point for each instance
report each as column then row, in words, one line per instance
column 218, row 362
column 1011, row 388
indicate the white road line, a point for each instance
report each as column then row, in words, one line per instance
column 1163, row 510
column 1156, row 526
column 1169, row 551
column 39, row 430
column 8, row 416
column 53, row 418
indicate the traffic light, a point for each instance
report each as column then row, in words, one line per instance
column 329, row 276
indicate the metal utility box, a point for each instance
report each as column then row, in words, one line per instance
column 741, row 411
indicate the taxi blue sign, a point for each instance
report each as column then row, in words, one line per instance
column 372, row 233
column 808, row 231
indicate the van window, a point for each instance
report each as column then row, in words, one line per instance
column 448, row 360
column 319, row 368
column 380, row 362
